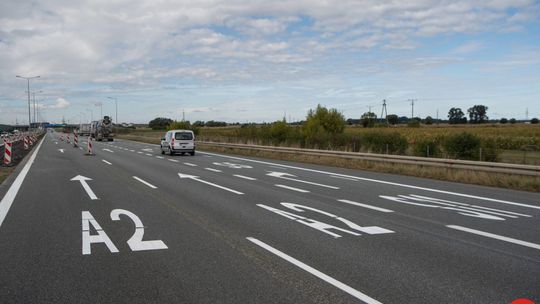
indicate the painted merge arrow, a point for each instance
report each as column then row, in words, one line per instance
column 61, row 150
column 196, row 178
column 288, row 176
column 83, row 180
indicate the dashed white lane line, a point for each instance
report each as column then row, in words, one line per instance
column 328, row 279
column 148, row 154
column 190, row 164
column 9, row 197
column 495, row 236
column 160, row 157
column 245, row 177
column 365, row 205
column 131, row 150
column 376, row 181
column 145, row 182
column 108, row 150
column 292, row 188
column 139, row 152
column 108, row 163
column 172, row 160
column 213, row 170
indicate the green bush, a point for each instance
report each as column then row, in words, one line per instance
column 489, row 150
column 378, row 142
column 426, row 148
column 462, row 146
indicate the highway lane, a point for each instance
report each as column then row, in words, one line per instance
column 367, row 253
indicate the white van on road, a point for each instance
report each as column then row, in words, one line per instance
column 178, row 141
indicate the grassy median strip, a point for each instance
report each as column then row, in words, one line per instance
column 502, row 180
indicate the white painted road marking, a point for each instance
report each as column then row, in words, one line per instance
column 346, row 288
column 61, row 150
column 145, row 182
column 378, row 181
column 139, row 152
column 160, row 157
column 213, row 170
column 149, row 154
column 101, row 237
column 245, row 177
column 346, row 178
column 135, row 242
column 292, row 188
column 82, row 180
column 108, row 163
column 172, row 160
column 10, row 195
column 365, row 205
column 196, row 178
column 495, row 236
column 283, row 175
column 108, row 150
column 190, row 164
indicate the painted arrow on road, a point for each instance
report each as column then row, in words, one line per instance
column 61, row 150
column 196, row 178
column 83, row 180
column 108, row 150
column 289, row 176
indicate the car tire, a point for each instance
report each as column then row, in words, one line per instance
column 192, row 153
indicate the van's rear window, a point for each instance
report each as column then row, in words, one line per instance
column 183, row 136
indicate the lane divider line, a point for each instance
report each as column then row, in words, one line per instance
column 495, row 236
column 328, row 279
column 10, row 195
column 292, row 188
column 145, row 182
column 365, row 206
column 172, row 160
column 245, row 177
column 213, row 170
column 108, row 163
column 190, row 164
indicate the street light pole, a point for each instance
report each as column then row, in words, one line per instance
column 116, row 105
column 28, row 82
column 91, row 114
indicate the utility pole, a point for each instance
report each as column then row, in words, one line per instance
column 183, row 115
column 412, row 106
column 437, row 116
column 28, row 90
column 526, row 113
column 384, row 111
column 116, row 105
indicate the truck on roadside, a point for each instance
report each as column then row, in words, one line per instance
column 85, row 129
column 102, row 129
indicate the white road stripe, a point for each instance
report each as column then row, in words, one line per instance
column 10, row 195
column 160, row 157
column 379, row 181
column 213, row 170
column 346, row 288
column 292, row 188
column 145, row 182
column 108, row 163
column 245, row 177
column 495, row 236
column 190, row 164
column 173, row 160
column 365, row 205
column 149, row 154
column 341, row 177
column 139, row 152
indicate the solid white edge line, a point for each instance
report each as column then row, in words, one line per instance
column 291, row 188
column 213, row 170
column 245, row 177
column 145, row 182
column 377, row 181
column 365, row 206
column 108, row 163
column 10, row 195
column 495, row 236
column 344, row 287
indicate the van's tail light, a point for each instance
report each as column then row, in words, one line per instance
column 172, row 142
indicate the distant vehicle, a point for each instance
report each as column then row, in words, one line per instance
column 102, row 129
column 85, row 129
column 178, row 141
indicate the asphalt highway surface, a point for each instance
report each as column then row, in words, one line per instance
column 130, row 225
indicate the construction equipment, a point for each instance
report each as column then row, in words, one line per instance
column 102, row 129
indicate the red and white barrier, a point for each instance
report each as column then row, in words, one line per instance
column 7, row 152
column 67, row 138
column 61, row 137
column 26, row 142
column 75, row 139
column 90, row 151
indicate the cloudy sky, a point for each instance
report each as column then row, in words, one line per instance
column 257, row 60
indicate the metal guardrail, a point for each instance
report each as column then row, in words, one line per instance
column 398, row 159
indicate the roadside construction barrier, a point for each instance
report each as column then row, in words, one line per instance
column 7, row 152
column 61, row 137
column 26, row 142
column 67, row 139
column 75, row 139
column 90, row 152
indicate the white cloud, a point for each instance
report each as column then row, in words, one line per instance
column 61, row 103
